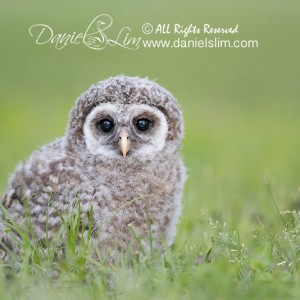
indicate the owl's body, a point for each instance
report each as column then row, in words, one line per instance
column 120, row 156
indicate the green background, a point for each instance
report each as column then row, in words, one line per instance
column 241, row 106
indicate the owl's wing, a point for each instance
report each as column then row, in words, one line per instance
column 33, row 178
column 15, row 190
column 36, row 176
column 12, row 196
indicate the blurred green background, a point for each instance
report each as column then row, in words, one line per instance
column 241, row 106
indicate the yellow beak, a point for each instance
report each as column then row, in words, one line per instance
column 124, row 142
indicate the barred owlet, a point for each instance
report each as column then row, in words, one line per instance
column 120, row 156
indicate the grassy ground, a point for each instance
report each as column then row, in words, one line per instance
column 239, row 232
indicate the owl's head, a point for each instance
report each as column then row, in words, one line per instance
column 126, row 116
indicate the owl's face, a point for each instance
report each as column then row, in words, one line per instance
column 118, row 131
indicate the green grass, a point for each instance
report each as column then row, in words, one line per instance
column 269, row 267
column 241, row 147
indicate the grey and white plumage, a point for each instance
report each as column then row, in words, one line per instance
column 126, row 175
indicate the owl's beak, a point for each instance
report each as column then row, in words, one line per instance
column 124, row 142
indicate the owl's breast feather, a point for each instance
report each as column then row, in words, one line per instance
column 129, row 178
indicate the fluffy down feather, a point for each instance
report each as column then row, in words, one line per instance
column 122, row 191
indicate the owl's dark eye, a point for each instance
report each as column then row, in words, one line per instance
column 105, row 125
column 143, row 124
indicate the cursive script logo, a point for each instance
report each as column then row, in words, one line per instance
column 95, row 36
